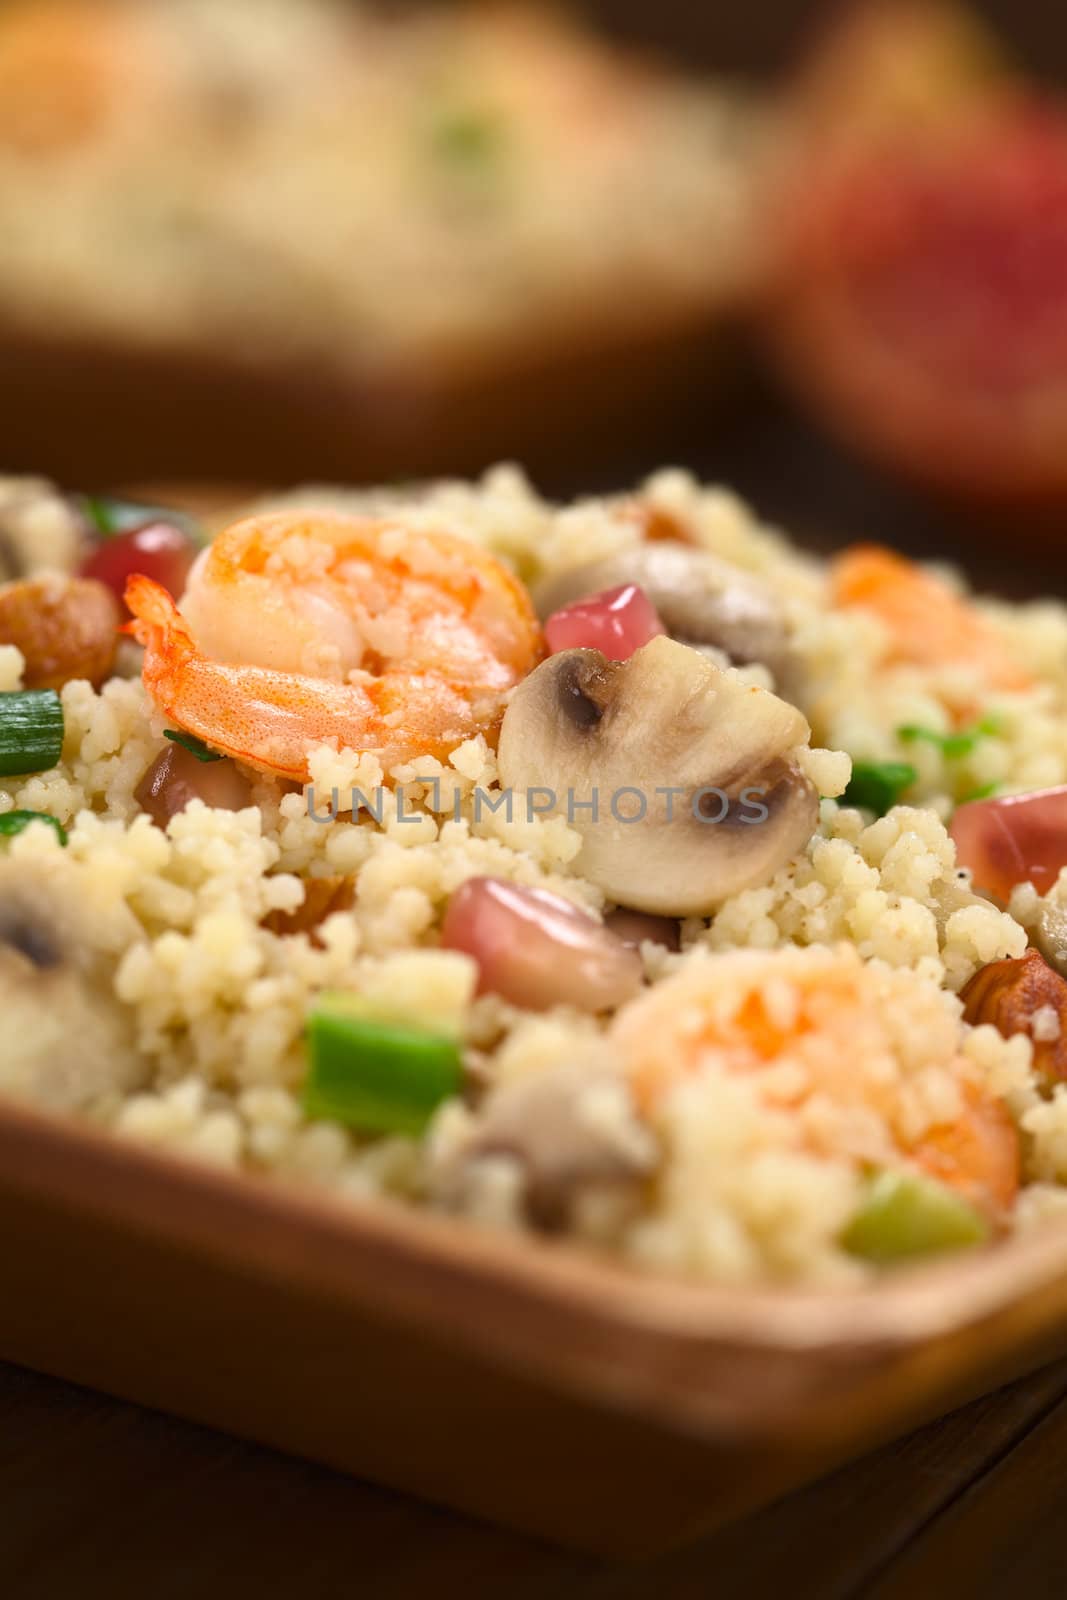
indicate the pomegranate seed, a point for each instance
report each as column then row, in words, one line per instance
column 537, row 950
column 1019, row 838
column 160, row 550
column 616, row 623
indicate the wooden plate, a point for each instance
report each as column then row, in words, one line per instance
column 525, row 1382
column 532, row 1384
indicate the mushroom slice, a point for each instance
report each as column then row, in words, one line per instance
column 68, row 1043
column 702, row 600
column 40, row 529
column 573, row 1133
column 681, row 779
column 1049, row 934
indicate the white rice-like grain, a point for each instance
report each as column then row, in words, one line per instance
column 758, row 1173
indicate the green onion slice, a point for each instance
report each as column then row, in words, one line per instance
column 983, row 792
column 31, row 731
column 196, row 747
column 12, row 822
column 905, row 1215
column 878, row 785
column 953, row 746
column 467, row 136
column 376, row 1075
column 109, row 516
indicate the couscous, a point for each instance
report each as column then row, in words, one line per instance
column 616, row 871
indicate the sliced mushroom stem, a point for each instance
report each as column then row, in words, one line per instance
column 575, row 1137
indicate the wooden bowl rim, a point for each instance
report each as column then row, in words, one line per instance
column 654, row 1346
column 779, row 1363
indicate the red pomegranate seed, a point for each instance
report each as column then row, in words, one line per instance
column 160, row 550
column 1020, row 838
column 537, row 950
column 616, row 623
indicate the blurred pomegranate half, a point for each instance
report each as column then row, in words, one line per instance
column 920, row 299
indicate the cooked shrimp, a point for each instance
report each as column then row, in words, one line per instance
column 298, row 630
column 63, row 64
column 866, row 1059
column 927, row 623
column 977, row 1153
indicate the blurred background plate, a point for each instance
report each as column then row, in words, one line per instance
column 285, row 239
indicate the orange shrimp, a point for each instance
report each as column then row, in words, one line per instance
column 302, row 629
column 852, row 1052
column 63, row 65
column 978, row 1153
column 927, row 623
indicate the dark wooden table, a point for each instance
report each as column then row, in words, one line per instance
column 102, row 1498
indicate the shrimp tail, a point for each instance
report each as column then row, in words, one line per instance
column 153, row 611
column 461, row 641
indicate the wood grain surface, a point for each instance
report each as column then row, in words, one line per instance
column 104, row 1498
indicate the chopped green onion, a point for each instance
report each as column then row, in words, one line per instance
column 982, row 792
column 467, row 136
column 196, row 747
column 905, row 1215
column 878, row 785
column 376, row 1075
column 12, row 822
column 951, row 745
column 109, row 516
column 31, row 731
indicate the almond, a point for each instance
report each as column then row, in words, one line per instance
column 1010, row 995
column 322, row 897
column 656, row 523
column 65, row 628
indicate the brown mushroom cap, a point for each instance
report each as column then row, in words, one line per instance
column 40, row 529
column 702, row 600
column 1050, row 935
column 574, row 1136
column 692, row 773
column 68, row 1040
